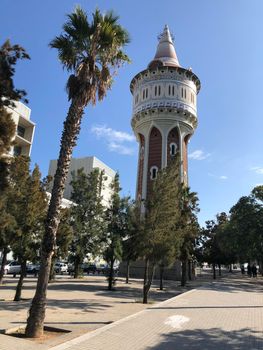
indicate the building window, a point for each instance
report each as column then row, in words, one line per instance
column 155, row 91
column 21, row 131
column 159, row 90
column 173, row 90
column 17, row 151
column 173, row 148
column 169, row 90
column 183, row 93
column 153, row 172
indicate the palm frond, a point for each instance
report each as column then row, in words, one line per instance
column 92, row 51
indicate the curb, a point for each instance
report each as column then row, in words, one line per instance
column 103, row 329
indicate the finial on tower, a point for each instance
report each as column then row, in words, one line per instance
column 165, row 53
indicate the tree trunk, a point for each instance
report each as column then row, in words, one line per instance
column 128, row 271
column 52, row 273
column 20, row 281
column 4, row 260
column 76, row 267
column 111, row 276
column 161, row 267
column 35, row 321
column 219, row 270
column 145, row 279
column 148, row 277
column 214, row 271
column 184, row 273
column 189, row 270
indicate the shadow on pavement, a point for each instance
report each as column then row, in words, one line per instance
column 211, row 339
column 54, row 304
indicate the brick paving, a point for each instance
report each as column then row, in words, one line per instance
column 226, row 315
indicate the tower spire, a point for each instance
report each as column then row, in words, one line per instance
column 165, row 52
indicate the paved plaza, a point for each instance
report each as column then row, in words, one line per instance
column 227, row 314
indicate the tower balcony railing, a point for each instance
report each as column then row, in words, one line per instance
column 174, row 105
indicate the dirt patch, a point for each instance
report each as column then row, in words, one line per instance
column 49, row 333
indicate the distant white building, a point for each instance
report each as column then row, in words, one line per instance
column 88, row 164
column 24, row 129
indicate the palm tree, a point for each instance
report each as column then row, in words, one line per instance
column 92, row 52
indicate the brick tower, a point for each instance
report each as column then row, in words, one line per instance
column 164, row 115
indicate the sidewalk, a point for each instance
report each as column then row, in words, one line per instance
column 226, row 315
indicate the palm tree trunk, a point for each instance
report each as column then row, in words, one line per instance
column 4, row 260
column 20, row 281
column 128, row 271
column 35, row 321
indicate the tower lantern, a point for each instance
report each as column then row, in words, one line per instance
column 164, row 114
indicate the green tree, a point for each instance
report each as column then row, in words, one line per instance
column 246, row 227
column 132, row 241
column 188, row 227
column 216, row 247
column 86, row 215
column 28, row 194
column 92, row 52
column 116, row 227
column 7, row 229
column 160, row 235
column 257, row 193
column 9, row 55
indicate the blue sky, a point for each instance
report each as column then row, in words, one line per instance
column 221, row 40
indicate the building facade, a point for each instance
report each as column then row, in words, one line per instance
column 24, row 129
column 164, row 115
column 88, row 164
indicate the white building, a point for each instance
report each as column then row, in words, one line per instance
column 88, row 164
column 24, row 129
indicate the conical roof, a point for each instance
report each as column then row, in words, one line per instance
column 165, row 53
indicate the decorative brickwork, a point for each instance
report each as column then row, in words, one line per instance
column 173, row 138
column 140, row 166
column 155, row 153
column 185, row 158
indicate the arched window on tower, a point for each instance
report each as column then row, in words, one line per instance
column 153, row 172
column 173, row 149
